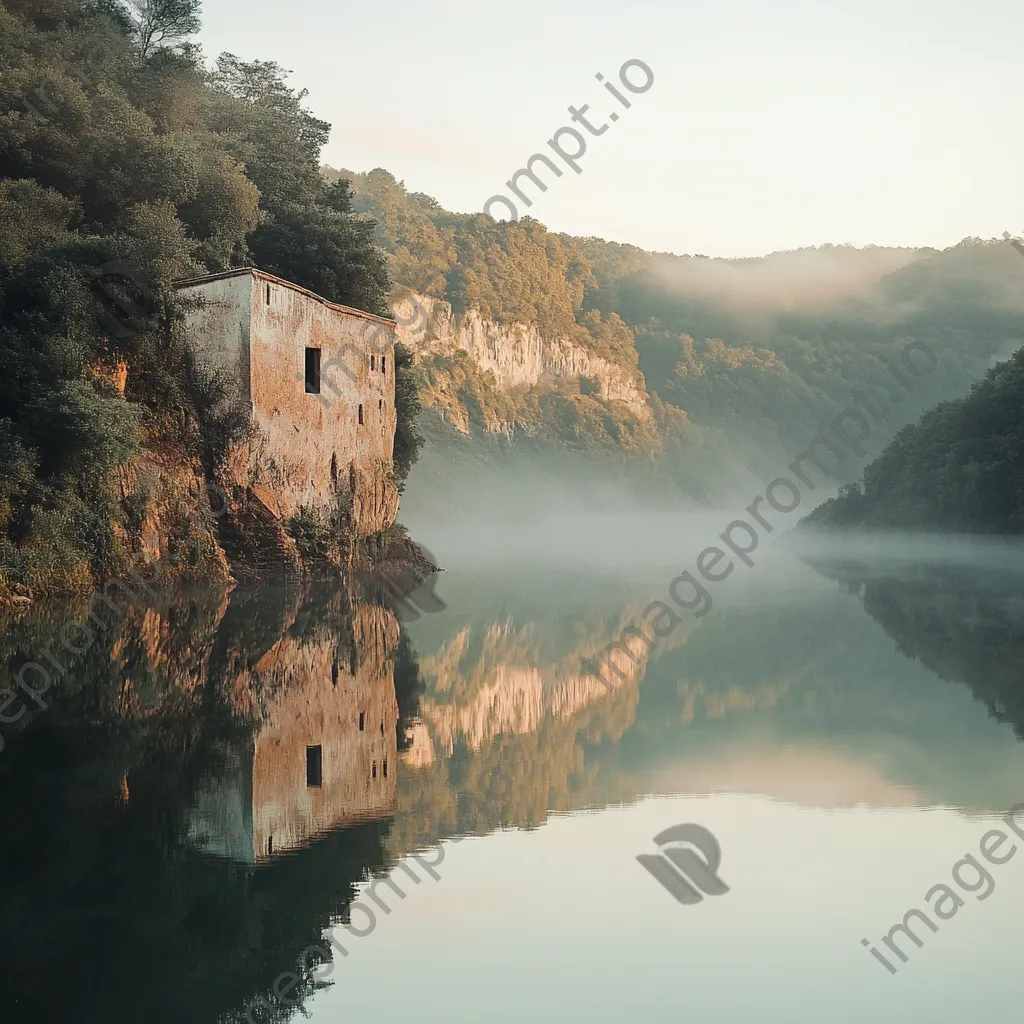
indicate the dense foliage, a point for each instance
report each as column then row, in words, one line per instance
column 126, row 162
column 743, row 361
column 961, row 468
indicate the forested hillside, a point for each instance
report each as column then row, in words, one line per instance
column 126, row 161
column 961, row 468
column 741, row 362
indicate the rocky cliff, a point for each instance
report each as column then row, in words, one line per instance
column 504, row 363
column 517, row 355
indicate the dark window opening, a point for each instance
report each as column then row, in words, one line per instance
column 385, row 767
column 382, row 728
column 334, row 674
column 380, row 405
column 270, row 845
column 315, row 766
column 268, row 294
column 373, row 770
column 373, row 362
column 383, row 363
column 360, row 415
column 362, row 721
column 334, row 471
column 312, row 371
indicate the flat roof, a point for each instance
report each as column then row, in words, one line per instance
column 190, row 282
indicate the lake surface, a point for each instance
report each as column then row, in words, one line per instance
column 292, row 802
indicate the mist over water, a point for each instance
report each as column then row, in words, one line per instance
column 526, row 517
column 881, row 551
column 605, row 521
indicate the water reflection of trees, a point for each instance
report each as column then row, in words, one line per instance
column 112, row 909
column 964, row 624
column 172, row 859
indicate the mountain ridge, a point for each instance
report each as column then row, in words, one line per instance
column 734, row 364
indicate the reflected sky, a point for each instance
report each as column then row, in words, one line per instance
column 563, row 924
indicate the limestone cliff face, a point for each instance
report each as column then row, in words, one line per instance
column 192, row 529
column 506, row 694
column 517, row 355
column 374, row 503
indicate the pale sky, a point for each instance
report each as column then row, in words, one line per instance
column 768, row 125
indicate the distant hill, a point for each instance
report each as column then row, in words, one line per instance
column 960, row 468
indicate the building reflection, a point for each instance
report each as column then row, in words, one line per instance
column 325, row 754
column 203, row 804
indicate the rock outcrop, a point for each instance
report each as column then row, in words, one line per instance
column 518, row 356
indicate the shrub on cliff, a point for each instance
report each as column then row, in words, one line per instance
column 408, row 439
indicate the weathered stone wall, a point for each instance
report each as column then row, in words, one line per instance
column 309, row 449
column 315, row 443
column 219, row 318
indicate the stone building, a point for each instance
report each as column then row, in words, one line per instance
column 317, row 380
column 325, row 757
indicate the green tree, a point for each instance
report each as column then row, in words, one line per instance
column 162, row 22
column 408, row 439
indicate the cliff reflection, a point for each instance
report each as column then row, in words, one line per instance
column 791, row 692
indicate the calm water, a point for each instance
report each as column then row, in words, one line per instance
column 220, row 781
